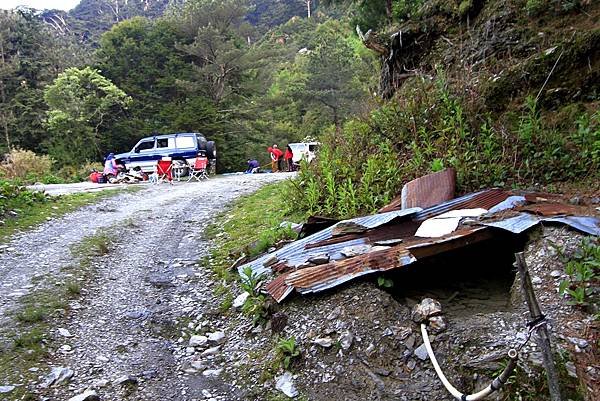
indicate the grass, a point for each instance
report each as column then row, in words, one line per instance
column 248, row 228
column 32, row 214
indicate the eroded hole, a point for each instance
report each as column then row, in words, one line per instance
column 474, row 279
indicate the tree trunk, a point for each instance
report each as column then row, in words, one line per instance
column 388, row 10
column 4, row 113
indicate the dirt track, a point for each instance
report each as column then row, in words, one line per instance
column 136, row 294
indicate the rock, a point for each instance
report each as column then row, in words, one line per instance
column 100, row 383
column 199, row 365
column 347, row 227
column 571, row 370
column 370, row 349
column 89, row 395
column 240, row 300
column 323, row 342
column 335, row 313
column 65, row 333
column 536, row 280
column 555, row 273
column 285, row 384
column 319, row 259
column 125, row 380
column 212, row 372
column 355, row 250
column 411, row 364
column 278, row 322
column 426, row 309
column 101, row 358
column 271, row 261
column 6, row 389
column 218, row 337
column 198, row 341
column 437, row 324
column 421, row 352
column 57, row 376
column 346, row 340
column 211, row 351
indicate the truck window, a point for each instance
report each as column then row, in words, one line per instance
column 184, row 142
column 165, row 143
column 145, row 146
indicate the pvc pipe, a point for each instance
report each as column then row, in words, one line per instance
column 493, row 386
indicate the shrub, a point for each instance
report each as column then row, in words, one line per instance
column 25, row 165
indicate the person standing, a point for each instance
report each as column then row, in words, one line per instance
column 273, row 159
column 289, row 158
column 279, row 155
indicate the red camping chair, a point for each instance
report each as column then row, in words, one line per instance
column 164, row 169
column 198, row 170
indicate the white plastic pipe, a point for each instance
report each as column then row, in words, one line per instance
column 494, row 385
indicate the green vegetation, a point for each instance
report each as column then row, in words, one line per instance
column 21, row 209
column 249, row 227
column 286, row 350
column 583, row 270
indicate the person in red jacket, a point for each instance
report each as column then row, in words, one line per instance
column 289, row 156
column 276, row 158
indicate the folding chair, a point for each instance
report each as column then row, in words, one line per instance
column 164, row 170
column 198, row 170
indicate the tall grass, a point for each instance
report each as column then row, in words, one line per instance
column 431, row 127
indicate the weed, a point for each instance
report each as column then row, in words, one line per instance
column 385, row 282
column 254, row 306
column 583, row 270
column 286, row 350
column 73, row 288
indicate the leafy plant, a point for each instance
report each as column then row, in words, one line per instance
column 255, row 305
column 385, row 282
column 286, row 350
column 583, row 270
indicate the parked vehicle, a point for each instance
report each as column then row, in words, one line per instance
column 304, row 150
column 181, row 147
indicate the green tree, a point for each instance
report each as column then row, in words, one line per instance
column 81, row 102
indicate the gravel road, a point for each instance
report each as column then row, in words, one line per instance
column 140, row 287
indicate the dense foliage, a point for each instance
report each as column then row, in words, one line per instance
column 250, row 74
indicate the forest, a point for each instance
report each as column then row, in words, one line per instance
column 505, row 92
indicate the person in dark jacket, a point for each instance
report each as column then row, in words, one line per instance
column 253, row 166
column 289, row 158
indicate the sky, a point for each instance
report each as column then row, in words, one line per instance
column 40, row 4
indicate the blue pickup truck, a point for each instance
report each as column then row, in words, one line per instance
column 181, row 147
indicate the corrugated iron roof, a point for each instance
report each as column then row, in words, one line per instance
column 483, row 199
column 322, row 277
column 295, row 253
column 524, row 221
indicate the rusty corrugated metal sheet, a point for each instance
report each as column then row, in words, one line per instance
column 483, row 199
column 553, row 209
column 429, row 190
column 322, row 277
column 295, row 253
column 524, row 221
column 319, row 278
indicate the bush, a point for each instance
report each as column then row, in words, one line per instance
column 13, row 196
column 430, row 127
column 25, row 165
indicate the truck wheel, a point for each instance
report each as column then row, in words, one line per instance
column 211, row 150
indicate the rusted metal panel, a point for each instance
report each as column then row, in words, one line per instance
column 524, row 221
column 319, row 278
column 553, row 209
column 484, row 199
column 295, row 253
column 429, row 190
